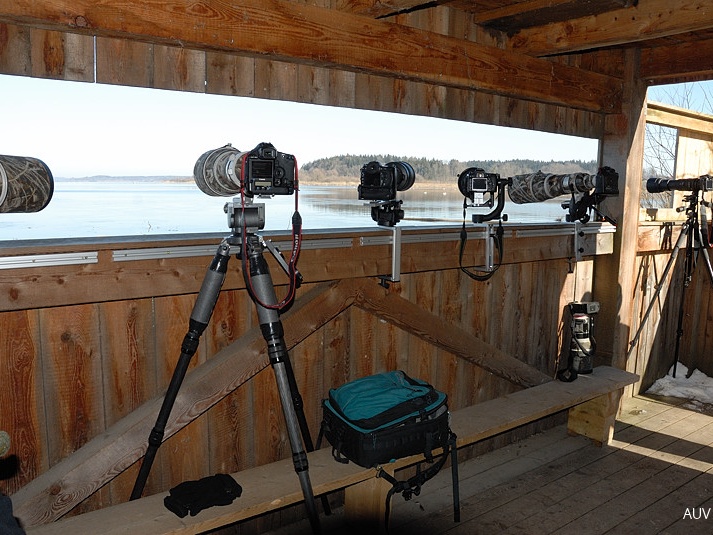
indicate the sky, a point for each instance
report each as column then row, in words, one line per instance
column 80, row 129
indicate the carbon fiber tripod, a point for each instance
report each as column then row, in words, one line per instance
column 244, row 219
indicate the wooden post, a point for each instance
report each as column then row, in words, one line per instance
column 622, row 148
column 595, row 418
column 365, row 504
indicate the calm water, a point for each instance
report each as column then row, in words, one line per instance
column 89, row 209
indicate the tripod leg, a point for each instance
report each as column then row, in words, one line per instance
column 686, row 281
column 200, row 316
column 272, row 331
column 671, row 261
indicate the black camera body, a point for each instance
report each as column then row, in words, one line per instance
column 267, row 171
column 263, row 171
column 606, row 182
column 474, row 183
column 381, row 182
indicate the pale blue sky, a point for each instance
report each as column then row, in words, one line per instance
column 81, row 129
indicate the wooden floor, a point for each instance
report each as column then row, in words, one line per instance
column 657, row 472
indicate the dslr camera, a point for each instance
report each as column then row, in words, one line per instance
column 263, row 171
column 381, row 182
column 474, row 183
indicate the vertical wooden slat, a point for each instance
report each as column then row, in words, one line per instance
column 179, row 68
column 15, row 50
column 123, row 62
column 228, row 74
column 74, row 390
column 22, row 412
column 230, row 422
column 129, row 369
column 64, row 56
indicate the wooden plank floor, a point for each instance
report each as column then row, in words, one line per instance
column 657, row 471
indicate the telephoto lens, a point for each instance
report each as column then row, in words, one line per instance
column 539, row 186
column 26, row 184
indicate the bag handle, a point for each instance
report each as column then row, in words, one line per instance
column 412, row 486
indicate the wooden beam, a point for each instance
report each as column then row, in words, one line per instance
column 375, row 8
column 675, row 117
column 648, row 20
column 540, row 12
column 70, row 481
column 690, row 61
column 299, row 33
column 435, row 330
column 614, row 276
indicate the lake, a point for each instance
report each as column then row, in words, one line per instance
column 84, row 209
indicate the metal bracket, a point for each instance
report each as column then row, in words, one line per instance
column 578, row 238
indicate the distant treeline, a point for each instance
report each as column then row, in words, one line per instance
column 346, row 168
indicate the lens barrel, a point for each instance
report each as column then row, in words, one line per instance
column 660, row 185
column 405, row 175
column 539, row 186
column 26, row 184
column 214, row 172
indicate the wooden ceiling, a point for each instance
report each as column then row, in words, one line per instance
column 562, row 52
column 675, row 37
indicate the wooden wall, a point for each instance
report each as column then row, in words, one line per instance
column 73, row 369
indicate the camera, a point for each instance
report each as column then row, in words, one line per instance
column 606, row 182
column 381, row 182
column 263, row 171
column 660, row 185
column 474, row 183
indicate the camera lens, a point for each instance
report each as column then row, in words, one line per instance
column 26, row 184
column 405, row 175
column 214, row 174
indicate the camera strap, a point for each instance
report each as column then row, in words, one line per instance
column 481, row 275
column 293, row 275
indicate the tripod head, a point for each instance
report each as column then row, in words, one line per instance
column 244, row 215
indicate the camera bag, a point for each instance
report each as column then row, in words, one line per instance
column 377, row 419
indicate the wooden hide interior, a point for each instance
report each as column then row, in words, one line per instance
column 86, row 350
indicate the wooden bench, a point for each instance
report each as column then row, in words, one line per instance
column 592, row 401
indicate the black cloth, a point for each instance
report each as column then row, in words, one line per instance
column 8, row 523
column 194, row 496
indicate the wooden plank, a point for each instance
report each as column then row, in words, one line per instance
column 230, row 74
column 73, row 386
column 676, row 117
column 595, row 418
column 437, row 331
column 677, row 63
column 109, row 280
column 15, row 50
column 124, row 62
column 274, row 486
column 327, row 38
column 622, row 148
column 514, row 16
column 646, row 20
column 68, row 482
column 65, row 56
column 128, row 368
column 179, row 68
column 21, row 398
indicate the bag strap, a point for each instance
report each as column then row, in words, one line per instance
column 412, row 486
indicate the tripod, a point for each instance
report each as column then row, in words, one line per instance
column 244, row 219
column 692, row 236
